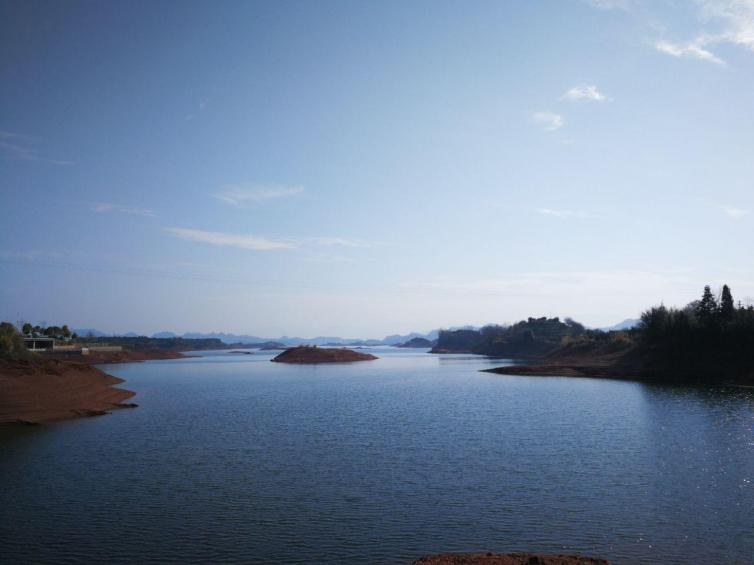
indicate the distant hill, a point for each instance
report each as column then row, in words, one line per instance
column 417, row 342
column 230, row 338
column 84, row 332
column 626, row 324
column 534, row 337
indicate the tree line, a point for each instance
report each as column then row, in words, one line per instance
column 57, row 332
column 710, row 336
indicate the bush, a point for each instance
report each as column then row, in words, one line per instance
column 11, row 341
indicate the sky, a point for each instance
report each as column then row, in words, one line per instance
column 364, row 168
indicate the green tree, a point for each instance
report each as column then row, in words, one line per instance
column 27, row 328
column 727, row 306
column 11, row 342
column 707, row 308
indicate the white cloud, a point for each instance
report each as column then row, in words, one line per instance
column 564, row 214
column 736, row 17
column 693, row 49
column 104, row 207
column 585, row 92
column 735, row 213
column 251, row 242
column 257, row 243
column 244, row 195
column 725, row 22
column 548, row 120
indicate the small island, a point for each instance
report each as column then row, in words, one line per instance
column 417, row 342
column 310, row 354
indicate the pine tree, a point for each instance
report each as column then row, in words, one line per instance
column 727, row 306
column 707, row 308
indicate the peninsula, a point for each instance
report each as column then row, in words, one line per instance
column 708, row 341
column 307, row 354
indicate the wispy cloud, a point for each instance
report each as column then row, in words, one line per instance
column 563, row 214
column 736, row 18
column 585, row 92
column 735, row 213
column 245, row 195
column 258, row 243
column 725, row 22
column 693, row 49
column 19, row 147
column 611, row 4
column 548, row 120
column 338, row 241
column 251, row 242
column 327, row 258
column 549, row 283
column 105, row 207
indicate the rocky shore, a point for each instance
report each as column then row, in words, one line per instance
column 40, row 390
column 312, row 354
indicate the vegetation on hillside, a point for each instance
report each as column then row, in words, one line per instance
column 534, row 337
column 168, row 343
column 711, row 337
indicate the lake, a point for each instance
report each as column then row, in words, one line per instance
column 233, row 458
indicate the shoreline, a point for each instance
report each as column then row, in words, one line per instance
column 36, row 391
column 51, row 387
column 124, row 356
column 610, row 372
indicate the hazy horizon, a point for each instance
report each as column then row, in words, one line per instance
column 366, row 169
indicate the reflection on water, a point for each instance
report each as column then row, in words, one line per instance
column 234, row 458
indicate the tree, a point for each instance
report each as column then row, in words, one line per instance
column 27, row 328
column 707, row 308
column 11, row 342
column 727, row 306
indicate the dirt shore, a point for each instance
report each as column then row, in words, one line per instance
column 40, row 390
column 124, row 356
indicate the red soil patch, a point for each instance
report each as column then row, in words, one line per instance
column 308, row 354
column 124, row 356
column 43, row 390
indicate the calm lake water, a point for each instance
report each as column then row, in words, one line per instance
column 233, row 458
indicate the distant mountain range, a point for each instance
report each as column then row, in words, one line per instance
column 286, row 340
column 394, row 339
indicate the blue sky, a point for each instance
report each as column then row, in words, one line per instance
column 362, row 168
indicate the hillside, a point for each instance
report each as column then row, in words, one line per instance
column 708, row 341
column 532, row 338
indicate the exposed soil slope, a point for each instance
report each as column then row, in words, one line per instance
column 615, row 359
column 124, row 356
column 313, row 354
column 507, row 559
column 43, row 390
